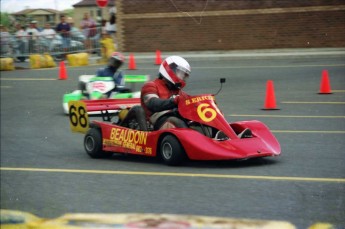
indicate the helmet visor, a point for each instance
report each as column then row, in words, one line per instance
column 113, row 62
column 182, row 73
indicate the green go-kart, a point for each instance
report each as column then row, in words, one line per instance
column 92, row 87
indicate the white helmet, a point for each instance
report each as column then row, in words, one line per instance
column 176, row 70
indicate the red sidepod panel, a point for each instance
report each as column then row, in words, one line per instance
column 199, row 147
column 120, row 139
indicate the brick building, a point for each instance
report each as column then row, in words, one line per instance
column 192, row 25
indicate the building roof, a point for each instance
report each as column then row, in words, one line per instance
column 30, row 11
column 92, row 3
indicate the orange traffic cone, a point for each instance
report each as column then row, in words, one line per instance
column 270, row 101
column 62, row 71
column 325, row 86
column 158, row 57
column 131, row 64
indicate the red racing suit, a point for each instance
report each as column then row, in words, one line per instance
column 156, row 98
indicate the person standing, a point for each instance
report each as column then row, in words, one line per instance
column 110, row 27
column 89, row 28
column 5, row 38
column 33, row 36
column 48, row 34
column 76, row 34
column 22, row 39
column 21, row 34
column 63, row 28
column 35, row 25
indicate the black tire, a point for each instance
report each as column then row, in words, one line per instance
column 172, row 151
column 93, row 144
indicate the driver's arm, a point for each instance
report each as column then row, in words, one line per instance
column 119, row 78
column 155, row 104
column 100, row 72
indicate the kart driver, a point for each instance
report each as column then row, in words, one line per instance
column 111, row 70
column 160, row 96
column 114, row 63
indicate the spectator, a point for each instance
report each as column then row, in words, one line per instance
column 110, row 27
column 76, row 34
column 103, row 26
column 48, row 34
column 32, row 31
column 21, row 34
column 88, row 26
column 35, row 25
column 22, row 39
column 32, row 36
column 63, row 28
column 5, row 38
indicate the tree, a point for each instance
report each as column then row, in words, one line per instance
column 5, row 19
column 69, row 12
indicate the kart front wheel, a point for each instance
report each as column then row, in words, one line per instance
column 93, row 144
column 172, row 151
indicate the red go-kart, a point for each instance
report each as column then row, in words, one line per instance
column 205, row 135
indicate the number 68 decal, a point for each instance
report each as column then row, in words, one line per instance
column 78, row 118
column 206, row 113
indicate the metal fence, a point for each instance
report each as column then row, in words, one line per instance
column 21, row 47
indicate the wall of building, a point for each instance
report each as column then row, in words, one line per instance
column 94, row 11
column 42, row 17
column 194, row 25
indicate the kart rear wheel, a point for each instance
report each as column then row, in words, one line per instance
column 93, row 144
column 172, row 151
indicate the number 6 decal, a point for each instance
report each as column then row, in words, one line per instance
column 79, row 121
column 207, row 114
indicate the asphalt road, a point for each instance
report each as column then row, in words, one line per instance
column 45, row 171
